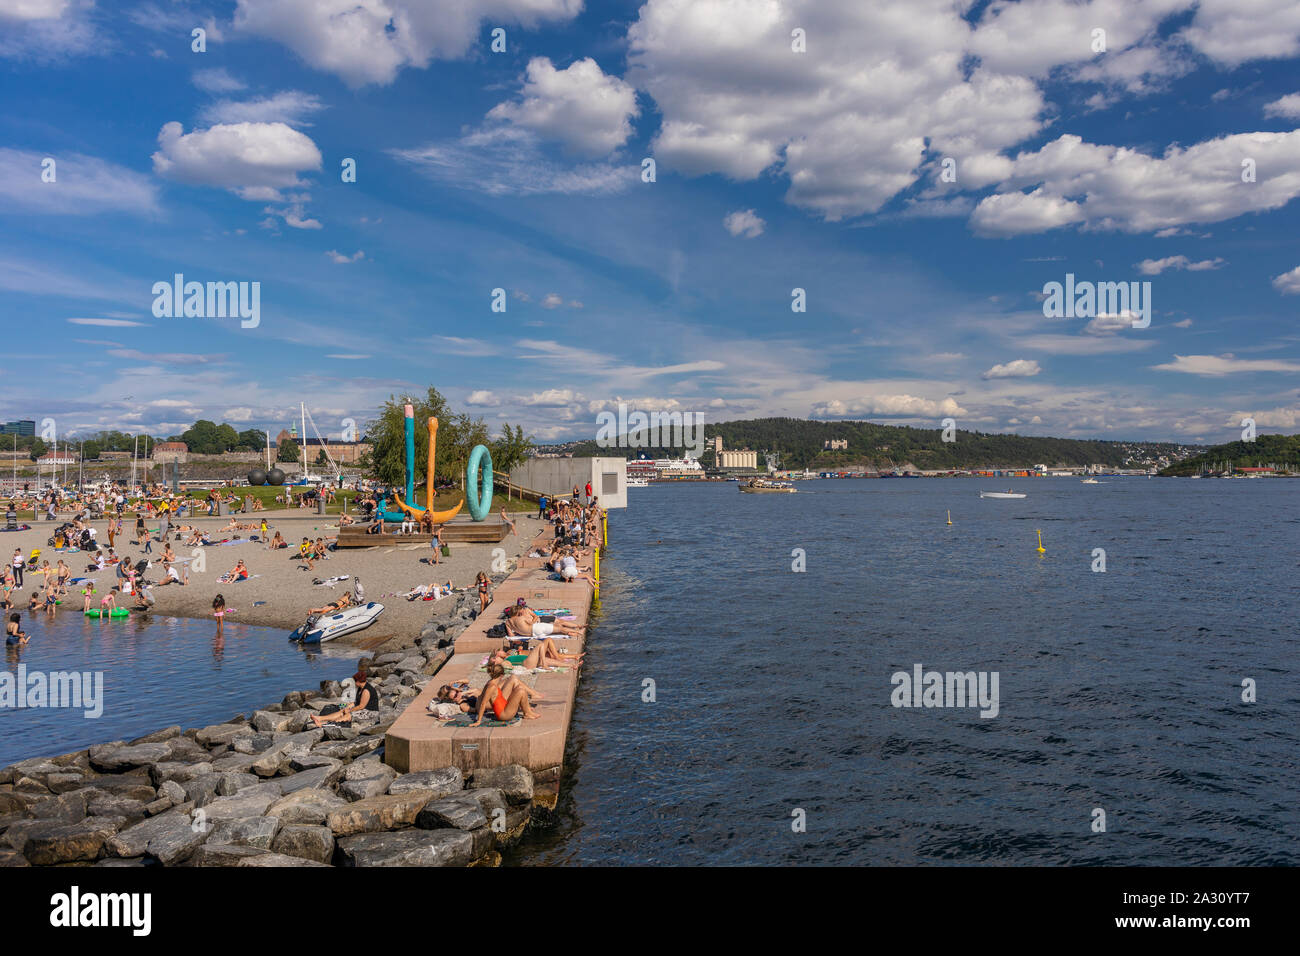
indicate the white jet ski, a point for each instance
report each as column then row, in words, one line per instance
column 321, row 628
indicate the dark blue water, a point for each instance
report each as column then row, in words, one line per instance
column 156, row 673
column 1118, row 690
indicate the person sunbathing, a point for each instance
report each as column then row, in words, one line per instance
column 334, row 608
column 238, row 573
column 523, row 622
column 544, row 654
column 506, row 695
column 278, row 542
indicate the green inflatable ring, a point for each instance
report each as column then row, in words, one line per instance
column 115, row 612
column 479, row 500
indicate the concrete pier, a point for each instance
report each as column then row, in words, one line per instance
column 419, row 741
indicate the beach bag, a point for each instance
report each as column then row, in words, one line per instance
column 330, row 709
column 446, row 551
column 497, row 630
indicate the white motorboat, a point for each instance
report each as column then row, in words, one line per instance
column 1091, row 481
column 638, row 483
column 321, row 628
column 1000, row 494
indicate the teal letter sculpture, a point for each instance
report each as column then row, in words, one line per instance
column 479, row 496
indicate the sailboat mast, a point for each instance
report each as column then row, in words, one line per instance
column 303, row 449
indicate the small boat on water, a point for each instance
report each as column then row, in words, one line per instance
column 1091, row 481
column 1000, row 494
column 318, row 629
column 763, row 486
column 638, row 483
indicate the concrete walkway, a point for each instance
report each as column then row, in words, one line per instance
column 419, row 741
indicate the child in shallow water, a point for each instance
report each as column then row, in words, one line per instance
column 219, row 611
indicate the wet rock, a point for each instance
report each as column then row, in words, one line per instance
column 407, row 848
column 306, row 842
column 515, row 781
column 461, row 811
column 441, row 783
column 249, row 831
column 306, row 806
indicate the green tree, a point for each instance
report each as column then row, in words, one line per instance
column 254, row 439
column 510, row 449
column 288, row 451
column 203, row 438
column 90, row 451
column 227, row 437
column 38, row 448
column 322, row 458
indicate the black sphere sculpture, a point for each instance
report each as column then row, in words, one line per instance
column 257, row 477
column 275, row 477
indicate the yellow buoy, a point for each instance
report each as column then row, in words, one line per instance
column 950, row 516
column 1041, row 549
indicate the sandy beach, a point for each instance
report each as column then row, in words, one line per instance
column 280, row 589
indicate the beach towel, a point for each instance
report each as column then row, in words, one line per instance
column 467, row 720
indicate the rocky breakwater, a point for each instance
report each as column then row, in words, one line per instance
column 266, row 789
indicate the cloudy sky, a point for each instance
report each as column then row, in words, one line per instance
column 920, row 168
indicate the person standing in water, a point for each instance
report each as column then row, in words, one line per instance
column 219, row 612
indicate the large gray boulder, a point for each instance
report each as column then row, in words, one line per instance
column 515, row 781
column 306, row 806
column 248, row 802
column 112, row 759
column 248, row 831
column 319, row 778
column 407, row 848
column 385, row 812
column 461, row 811
column 305, row 841
column 82, row 842
column 442, row 783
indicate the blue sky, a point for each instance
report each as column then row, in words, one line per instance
column 775, row 170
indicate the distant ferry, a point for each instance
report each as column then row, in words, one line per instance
column 638, row 483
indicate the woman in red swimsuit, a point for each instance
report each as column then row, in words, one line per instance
column 507, row 696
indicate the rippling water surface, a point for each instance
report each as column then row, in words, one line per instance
column 157, row 672
column 1119, row 690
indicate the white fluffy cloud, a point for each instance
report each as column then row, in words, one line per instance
column 368, row 41
column 254, row 160
column 744, row 222
column 1287, row 107
column 46, row 29
column 1288, row 283
column 1019, row 368
column 1124, row 189
column 1153, row 267
column 217, row 80
column 580, row 106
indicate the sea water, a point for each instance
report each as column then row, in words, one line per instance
column 767, row 734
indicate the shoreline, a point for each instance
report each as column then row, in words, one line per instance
column 271, row 789
column 278, row 594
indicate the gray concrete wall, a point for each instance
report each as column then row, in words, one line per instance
column 557, row 476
